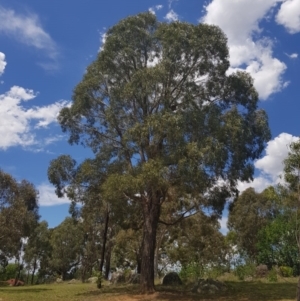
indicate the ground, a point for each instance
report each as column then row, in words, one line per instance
column 284, row 290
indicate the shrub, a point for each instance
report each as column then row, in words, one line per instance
column 261, row 271
column 246, row 270
column 286, row 271
column 272, row 275
column 215, row 272
column 191, row 272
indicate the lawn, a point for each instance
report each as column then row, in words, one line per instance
column 237, row 291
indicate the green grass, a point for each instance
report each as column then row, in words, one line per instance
column 237, row 291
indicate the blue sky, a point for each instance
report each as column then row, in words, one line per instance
column 45, row 47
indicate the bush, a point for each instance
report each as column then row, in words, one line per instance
column 261, row 271
column 191, row 272
column 286, row 271
column 246, row 270
column 215, row 272
column 272, row 275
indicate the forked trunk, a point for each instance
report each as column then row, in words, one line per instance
column 151, row 211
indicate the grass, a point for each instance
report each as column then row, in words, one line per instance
column 284, row 290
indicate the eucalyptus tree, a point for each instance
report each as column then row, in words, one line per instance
column 249, row 214
column 197, row 242
column 18, row 214
column 66, row 244
column 158, row 105
column 37, row 248
column 100, row 218
column 292, row 177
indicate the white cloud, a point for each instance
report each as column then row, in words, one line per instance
column 27, row 30
column 152, row 10
column 155, row 8
column 103, row 36
column 17, row 123
column 47, row 196
column 244, row 46
column 293, row 55
column 270, row 167
column 289, row 15
column 171, row 16
column 2, row 63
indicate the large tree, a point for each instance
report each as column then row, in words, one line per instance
column 158, row 106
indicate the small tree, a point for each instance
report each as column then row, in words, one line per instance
column 66, row 241
column 18, row 216
column 37, row 248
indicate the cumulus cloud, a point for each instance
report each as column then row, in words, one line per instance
column 27, row 30
column 171, row 16
column 247, row 45
column 289, row 15
column 103, row 36
column 18, row 124
column 270, row 167
column 293, row 55
column 2, row 62
column 47, row 196
column 155, row 8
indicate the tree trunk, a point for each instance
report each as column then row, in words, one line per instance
column 298, row 290
column 107, row 261
column 104, row 240
column 33, row 272
column 151, row 211
column 159, row 241
column 32, row 276
column 138, row 262
column 18, row 274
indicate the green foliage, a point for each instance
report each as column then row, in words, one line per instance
column 276, row 242
column 9, row 271
column 66, row 242
column 286, row 271
column 191, row 272
column 250, row 213
column 272, row 275
column 18, row 214
column 243, row 271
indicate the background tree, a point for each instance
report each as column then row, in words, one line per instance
column 66, row 241
column 158, row 107
column 292, row 177
column 249, row 214
column 276, row 242
column 37, row 248
column 18, row 215
column 100, row 218
column 197, row 242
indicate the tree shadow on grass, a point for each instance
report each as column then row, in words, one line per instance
column 237, row 291
column 24, row 290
